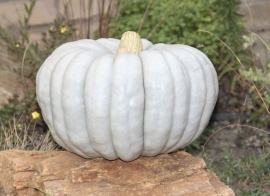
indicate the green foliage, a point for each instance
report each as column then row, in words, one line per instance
column 30, row 55
column 253, row 192
column 34, row 54
column 257, row 77
column 248, row 175
column 179, row 21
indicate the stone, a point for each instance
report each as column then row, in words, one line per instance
column 61, row 173
column 9, row 86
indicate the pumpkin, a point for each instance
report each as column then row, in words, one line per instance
column 125, row 98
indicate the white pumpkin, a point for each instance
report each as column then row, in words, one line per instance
column 98, row 103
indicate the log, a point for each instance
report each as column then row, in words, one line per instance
column 61, row 173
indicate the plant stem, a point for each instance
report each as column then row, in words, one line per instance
column 130, row 43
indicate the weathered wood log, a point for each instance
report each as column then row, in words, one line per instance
column 60, row 173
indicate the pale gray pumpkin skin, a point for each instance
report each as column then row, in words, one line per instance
column 98, row 103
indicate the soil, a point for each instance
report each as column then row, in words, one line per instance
column 240, row 140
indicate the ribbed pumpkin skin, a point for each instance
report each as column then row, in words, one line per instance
column 98, row 103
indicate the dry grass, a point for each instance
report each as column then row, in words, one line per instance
column 21, row 136
column 87, row 23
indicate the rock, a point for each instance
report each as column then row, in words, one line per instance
column 9, row 86
column 60, row 173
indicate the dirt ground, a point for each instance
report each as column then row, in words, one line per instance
column 241, row 140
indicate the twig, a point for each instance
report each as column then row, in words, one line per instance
column 256, row 89
column 37, row 188
column 24, row 54
column 145, row 16
column 232, row 125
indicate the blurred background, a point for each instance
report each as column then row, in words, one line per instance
column 109, row 18
column 234, row 34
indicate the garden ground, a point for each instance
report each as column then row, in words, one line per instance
column 240, row 156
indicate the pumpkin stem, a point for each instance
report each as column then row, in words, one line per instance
column 130, row 43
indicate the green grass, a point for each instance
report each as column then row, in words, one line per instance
column 246, row 175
